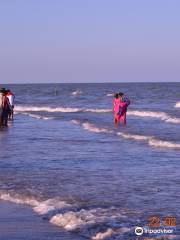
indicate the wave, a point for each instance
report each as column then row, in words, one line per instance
column 177, row 105
column 91, row 223
column 92, row 128
column 151, row 140
column 109, row 233
column 110, row 94
column 40, row 207
column 20, row 109
column 147, row 114
column 77, row 92
column 73, row 220
column 133, row 136
column 36, row 116
column 160, row 115
column 164, row 144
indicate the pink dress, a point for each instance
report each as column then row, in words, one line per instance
column 120, row 109
column 116, row 104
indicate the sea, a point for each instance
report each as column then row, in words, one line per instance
column 64, row 158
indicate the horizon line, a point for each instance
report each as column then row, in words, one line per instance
column 90, row 82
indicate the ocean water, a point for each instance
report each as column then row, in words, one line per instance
column 64, row 157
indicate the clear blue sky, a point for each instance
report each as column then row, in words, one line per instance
column 89, row 40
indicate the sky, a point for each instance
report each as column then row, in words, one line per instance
column 44, row 41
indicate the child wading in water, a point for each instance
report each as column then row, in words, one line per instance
column 120, row 108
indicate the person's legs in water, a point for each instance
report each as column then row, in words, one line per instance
column 116, row 119
column 123, row 118
column 1, row 116
column 5, row 117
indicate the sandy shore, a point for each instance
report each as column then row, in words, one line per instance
column 18, row 222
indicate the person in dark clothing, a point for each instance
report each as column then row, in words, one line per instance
column 6, row 109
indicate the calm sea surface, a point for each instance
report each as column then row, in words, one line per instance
column 64, row 157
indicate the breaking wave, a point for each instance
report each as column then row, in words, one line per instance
column 110, row 232
column 146, row 114
column 177, row 105
column 36, row 116
column 110, row 94
column 92, row 128
column 164, row 144
column 160, row 115
column 96, row 223
column 20, row 109
column 73, row 220
column 40, row 207
column 77, row 92
column 151, row 140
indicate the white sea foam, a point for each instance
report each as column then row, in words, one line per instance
column 76, row 220
column 75, row 121
column 151, row 114
column 41, row 207
column 92, row 128
column 110, row 232
column 151, row 140
column 173, row 120
column 163, row 144
column 15, row 198
column 45, row 109
column 36, row 116
column 20, row 109
column 50, row 205
column 177, row 105
column 134, row 136
column 160, row 115
column 76, row 93
column 70, row 220
column 110, row 94
column 102, row 235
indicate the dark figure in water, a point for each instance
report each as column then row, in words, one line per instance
column 1, row 107
column 11, row 97
column 6, row 109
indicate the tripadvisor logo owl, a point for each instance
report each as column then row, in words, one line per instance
column 139, row 231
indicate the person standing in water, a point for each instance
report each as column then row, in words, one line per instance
column 116, row 107
column 6, row 109
column 11, row 97
column 124, row 103
column 1, row 107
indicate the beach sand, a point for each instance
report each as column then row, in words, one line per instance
column 18, row 222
